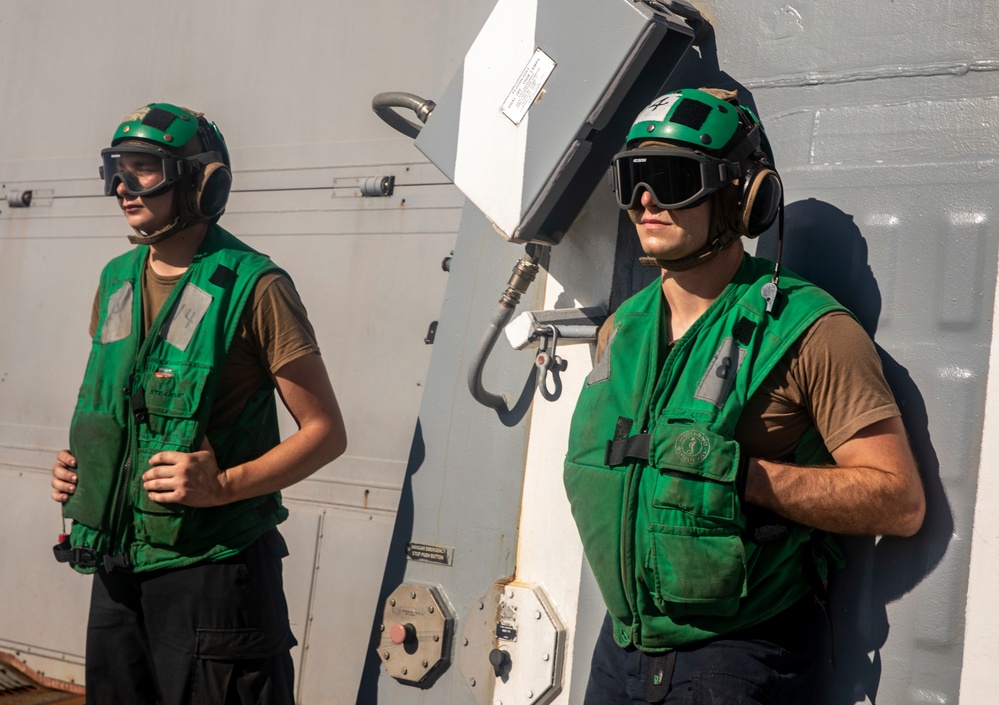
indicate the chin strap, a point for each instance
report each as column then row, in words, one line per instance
column 726, row 228
column 144, row 238
column 703, row 255
column 185, row 219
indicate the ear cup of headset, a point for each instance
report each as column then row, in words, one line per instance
column 762, row 192
column 210, row 183
column 210, row 190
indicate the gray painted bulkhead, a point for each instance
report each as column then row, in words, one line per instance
column 882, row 119
column 290, row 87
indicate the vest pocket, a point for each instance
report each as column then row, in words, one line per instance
column 155, row 523
column 173, row 392
column 697, row 471
column 696, row 560
column 174, row 389
column 96, row 441
column 697, row 571
column 695, row 496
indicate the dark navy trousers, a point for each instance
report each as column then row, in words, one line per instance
column 210, row 633
column 770, row 664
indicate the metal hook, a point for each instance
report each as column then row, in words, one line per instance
column 547, row 361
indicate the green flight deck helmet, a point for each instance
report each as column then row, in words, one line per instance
column 704, row 141
column 160, row 146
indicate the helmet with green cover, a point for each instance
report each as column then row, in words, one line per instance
column 161, row 146
column 687, row 145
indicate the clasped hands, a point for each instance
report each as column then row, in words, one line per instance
column 191, row 479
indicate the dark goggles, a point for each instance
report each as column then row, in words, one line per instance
column 675, row 178
column 145, row 170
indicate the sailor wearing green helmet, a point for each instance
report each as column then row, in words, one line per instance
column 160, row 146
column 735, row 417
column 175, row 466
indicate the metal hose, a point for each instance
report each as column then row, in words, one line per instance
column 524, row 273
column 383, row 105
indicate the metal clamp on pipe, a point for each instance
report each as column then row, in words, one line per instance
column 572, row 325
column 524, row 272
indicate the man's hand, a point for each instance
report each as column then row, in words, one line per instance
column 195, row 480
column 191, row 479
column 64, row 477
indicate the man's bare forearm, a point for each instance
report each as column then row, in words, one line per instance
column 873, row 489
column 297, row 457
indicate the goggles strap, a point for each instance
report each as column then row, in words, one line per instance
column 749, row 145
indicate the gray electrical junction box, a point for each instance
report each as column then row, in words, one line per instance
column 544, row 99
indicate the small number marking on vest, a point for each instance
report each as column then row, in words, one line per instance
column 721, row 373
column 188, row 312
column 692, row 447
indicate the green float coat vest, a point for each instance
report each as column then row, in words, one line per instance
column 652, row 467
column 146, row 393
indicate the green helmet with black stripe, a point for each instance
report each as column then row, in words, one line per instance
column 160, row 123
column 691, row 143
column 701, row 120
column 192, row 156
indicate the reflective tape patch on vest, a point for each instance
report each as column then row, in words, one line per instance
column 185, row 317
column 602, row 370
column 118, row 322
column 717, row 381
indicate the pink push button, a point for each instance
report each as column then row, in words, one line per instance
column 401, row 633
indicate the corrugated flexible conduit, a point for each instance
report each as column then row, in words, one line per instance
column 383, row 105
column 524, row 272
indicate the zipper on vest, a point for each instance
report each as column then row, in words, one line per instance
column 117, row 537
column 124, row 479
column 119, row 502
column 124, row 472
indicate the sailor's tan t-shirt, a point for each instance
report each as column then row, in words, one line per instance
column 831, row 377
column 274, row 330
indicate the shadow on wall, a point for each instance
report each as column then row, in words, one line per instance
column 823, row 244
column 395, row 573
